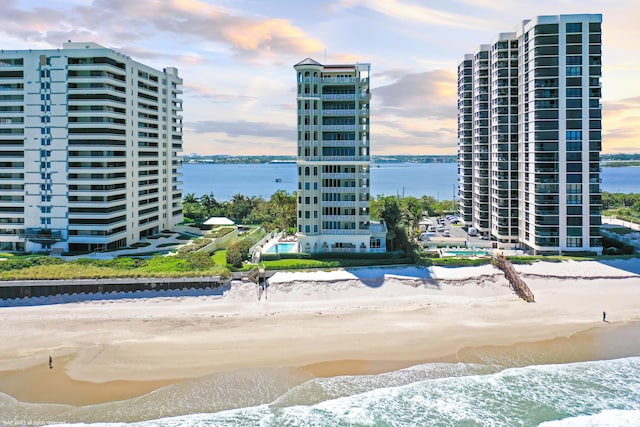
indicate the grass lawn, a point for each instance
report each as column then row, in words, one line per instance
column 220, row 257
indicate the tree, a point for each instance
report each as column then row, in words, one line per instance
column 209, row 202
column 391, row 214
column 190, row 198
column 238, row 252
column 412, row 214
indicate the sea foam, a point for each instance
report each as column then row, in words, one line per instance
column 585, row 393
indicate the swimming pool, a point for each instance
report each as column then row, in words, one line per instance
column 464, row 253
column 282, row 248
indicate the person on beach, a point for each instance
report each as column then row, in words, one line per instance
column 604, row 316
column 50, row 362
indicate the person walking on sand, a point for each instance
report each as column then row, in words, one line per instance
column 604, row 316
column 50, row 362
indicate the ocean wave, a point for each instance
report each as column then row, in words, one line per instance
column 609, row 418
column 592, row 392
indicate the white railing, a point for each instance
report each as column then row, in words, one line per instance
column 334, row 112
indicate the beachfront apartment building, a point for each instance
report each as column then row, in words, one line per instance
column 333, row 159
column 89, row 149
column 530, row 135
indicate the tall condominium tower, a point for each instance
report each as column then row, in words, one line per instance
column 529, row 135
column 334, row 160
column 89, row 143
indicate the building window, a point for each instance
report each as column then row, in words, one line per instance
column 574, row 199
column 307, row 186
column 574, row 92
column 574, row 71
column 574, row 135
column 574, row 27
column 315, row 228
column 574, row 60
column 307, row 229
column 574, row 242
column 307, row 214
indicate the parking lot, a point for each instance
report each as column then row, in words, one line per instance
column 458, row 235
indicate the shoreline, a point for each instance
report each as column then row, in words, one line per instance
column 326, row 324
column 26, row 386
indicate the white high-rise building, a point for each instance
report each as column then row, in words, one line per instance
column 529, row 108
column 334, row 160
column 89, row 149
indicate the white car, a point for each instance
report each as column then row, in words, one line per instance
column 446, row 233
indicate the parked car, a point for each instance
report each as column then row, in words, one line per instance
column 472, row 231
column 446, row 233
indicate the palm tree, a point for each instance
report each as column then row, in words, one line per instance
column 208, row 201
column 391, row 214
column 412, row 215
column 190, row 198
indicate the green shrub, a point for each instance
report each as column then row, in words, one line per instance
column 292, row 255
column 220, row 232
column 198, row 260
column 359, row 255
column 238, row 252
column 197, row 244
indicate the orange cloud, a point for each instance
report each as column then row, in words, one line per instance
column 621, row 126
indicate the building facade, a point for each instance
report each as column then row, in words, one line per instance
column 333, row 159
column 538, row 105
column 89, row 148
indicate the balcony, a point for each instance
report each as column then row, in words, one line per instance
column 340, row 112
column 340, row 80
column 341, row 143
column 339, row 97
column 347, row 128
column 43, row 235
column 347, row 232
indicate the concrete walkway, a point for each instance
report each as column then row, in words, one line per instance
column 615, row 221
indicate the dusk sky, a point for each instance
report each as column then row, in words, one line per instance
column 237, row 57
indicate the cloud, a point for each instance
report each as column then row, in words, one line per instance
column 240, row 128
column 114, row 21
column 431, row 94
column 621, row 105
column 621, row 125
column 408, row 11
column 211, row 94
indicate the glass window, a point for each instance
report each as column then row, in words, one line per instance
column 574, row 27
column 574, row 60
column 574, row 71
column 574, row 92
column 574, row 135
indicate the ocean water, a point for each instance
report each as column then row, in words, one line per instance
column 438, row 180
column 599, row 393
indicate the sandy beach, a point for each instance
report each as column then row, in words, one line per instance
column 330, row 323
